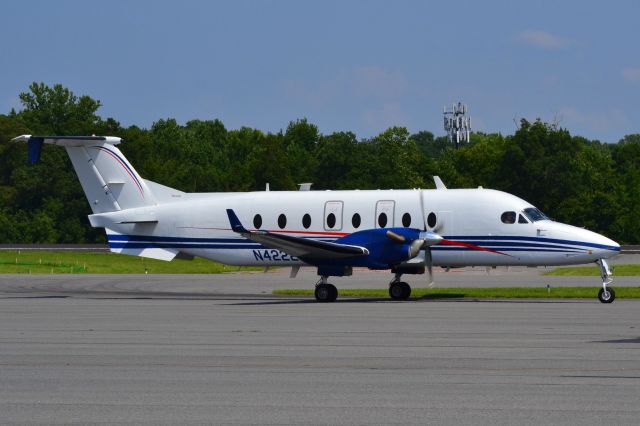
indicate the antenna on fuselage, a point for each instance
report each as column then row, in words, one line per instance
column 305, row 186
column 266, row 188
column 457, row 124
column 439, row 183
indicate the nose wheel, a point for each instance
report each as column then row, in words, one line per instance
column 606, row 293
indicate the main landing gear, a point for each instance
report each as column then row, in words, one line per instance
column 325, row 292
column 606, row 293
column 399, row 290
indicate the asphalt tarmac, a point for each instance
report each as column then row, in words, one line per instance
column 222, row 350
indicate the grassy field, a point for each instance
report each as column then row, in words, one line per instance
column 593, row 271
column 70, row 262
column 482, row 293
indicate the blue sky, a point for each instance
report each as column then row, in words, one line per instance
column 345, row 65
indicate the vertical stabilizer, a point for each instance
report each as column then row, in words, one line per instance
column 108, row 180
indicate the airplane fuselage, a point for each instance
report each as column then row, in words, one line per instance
column 481, row 227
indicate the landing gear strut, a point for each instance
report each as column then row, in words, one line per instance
column 399, row 290
column 325, row 292
column 606, row 293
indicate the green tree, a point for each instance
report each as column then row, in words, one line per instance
column 57, row 111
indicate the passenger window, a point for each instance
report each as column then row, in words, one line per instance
column 331, row 220
column 382, row 220
column 356, row 220
column 406, row 220
column 508, row 217
column 306, row 221
column 257, row 221
column 432, row 220
column 282, row 221
column 521, row 219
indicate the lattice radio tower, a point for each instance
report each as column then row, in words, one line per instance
column 457, row 124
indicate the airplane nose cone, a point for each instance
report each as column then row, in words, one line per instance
column 603, row 247
column 596, row 246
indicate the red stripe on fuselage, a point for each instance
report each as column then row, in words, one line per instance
column 471, row 246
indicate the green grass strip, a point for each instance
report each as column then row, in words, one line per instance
column 593, row 271
column 480, row 293
column 76, row 262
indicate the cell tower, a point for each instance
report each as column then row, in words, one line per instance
column 457, row 124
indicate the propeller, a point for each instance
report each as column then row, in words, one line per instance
column 424, row 242
column 429, row 239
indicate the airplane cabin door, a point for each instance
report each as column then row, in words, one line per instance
column 333, row 215
column 384, row 213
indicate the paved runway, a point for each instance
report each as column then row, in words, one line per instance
column 292, row 362
column 221, row 350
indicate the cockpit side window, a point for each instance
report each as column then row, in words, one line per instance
column 521, row 219
column 508, row 217
column 534, row 214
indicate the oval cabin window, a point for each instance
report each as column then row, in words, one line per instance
column 331, row 220
column 382, row 220
column 432, row 220
column 282, row 221
column 406, row 220
column 306, row 221
column 355, row 220
column 257, row 221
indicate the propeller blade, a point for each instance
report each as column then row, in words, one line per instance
column 428, row 260
column 396, row 237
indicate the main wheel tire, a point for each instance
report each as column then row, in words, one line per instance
column 399, row 290
column 608, row 296
column 326, row 293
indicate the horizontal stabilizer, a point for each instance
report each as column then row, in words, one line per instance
column 137, row 215
column 35, row 142
column 68, row 140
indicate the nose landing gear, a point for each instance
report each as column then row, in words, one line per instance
column 606, row 293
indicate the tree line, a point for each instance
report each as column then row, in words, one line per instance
column 573, row 179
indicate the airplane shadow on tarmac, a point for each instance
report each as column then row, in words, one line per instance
column 268, row 299
column 431, row 298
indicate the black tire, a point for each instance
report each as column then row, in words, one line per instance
column 399, row 290
column 607, row 298
column 326, row 293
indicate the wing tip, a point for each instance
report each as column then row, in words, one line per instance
column 235, row 223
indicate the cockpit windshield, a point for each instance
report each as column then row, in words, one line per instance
column 534, row 214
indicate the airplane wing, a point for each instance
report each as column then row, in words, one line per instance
column 295, row 246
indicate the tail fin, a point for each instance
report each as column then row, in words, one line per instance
column 110, row 183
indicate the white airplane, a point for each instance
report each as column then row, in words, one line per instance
column 405, row 231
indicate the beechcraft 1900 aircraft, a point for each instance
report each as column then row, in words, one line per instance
column 404, row 231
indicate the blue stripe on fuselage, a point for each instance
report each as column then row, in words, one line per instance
column 484, row 239
column 502, row 243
